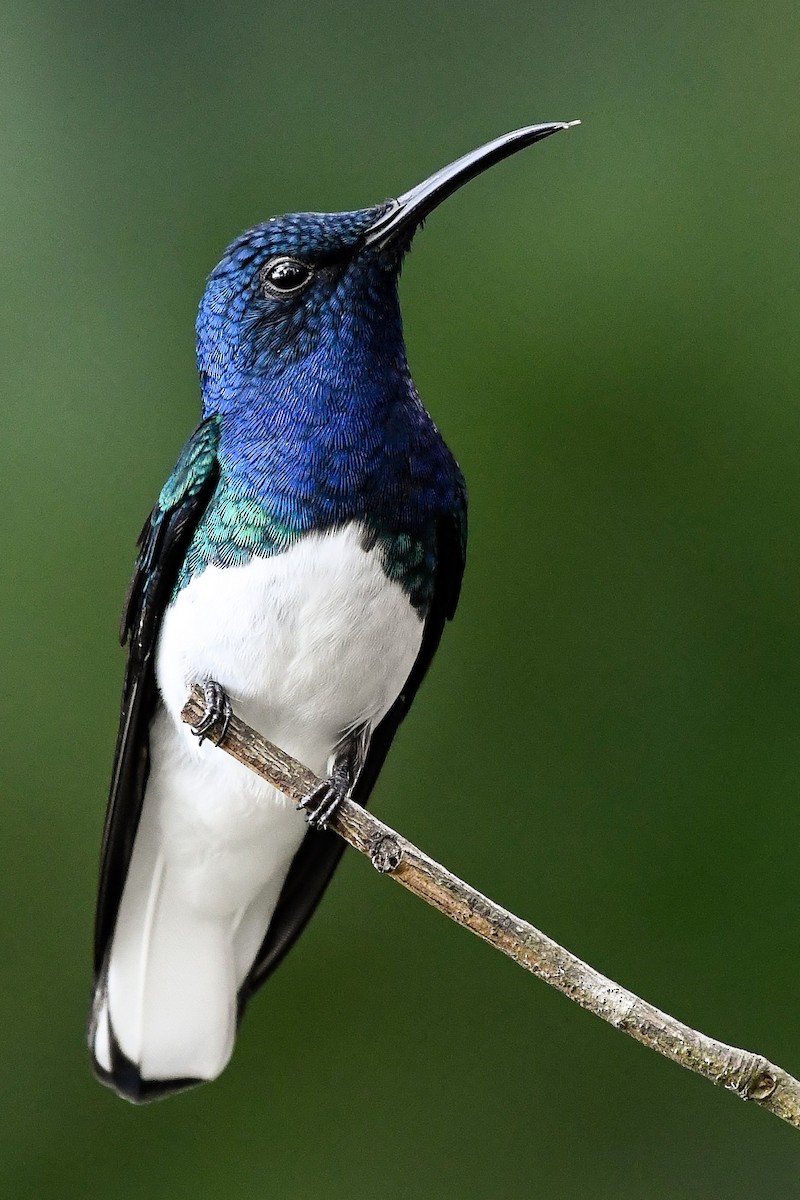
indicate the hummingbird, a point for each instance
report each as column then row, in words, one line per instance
column 300, row 563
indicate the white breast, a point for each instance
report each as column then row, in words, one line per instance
column 308, row 644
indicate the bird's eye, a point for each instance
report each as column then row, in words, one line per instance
column 284, row 276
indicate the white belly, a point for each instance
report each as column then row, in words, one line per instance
column 308, row 644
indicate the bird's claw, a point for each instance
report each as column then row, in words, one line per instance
column 217, row 712
column 321, row 803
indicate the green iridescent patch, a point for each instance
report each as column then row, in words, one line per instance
column 411, row 562
column 235, row 528
column 196, row 463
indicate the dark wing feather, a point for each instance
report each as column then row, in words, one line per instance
column 320, row 852
column 162, row 546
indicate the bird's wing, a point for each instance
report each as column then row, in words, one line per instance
column 162, row 546
column 320, row 851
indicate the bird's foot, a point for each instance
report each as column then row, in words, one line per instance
column 217, row 712
column 321, row 803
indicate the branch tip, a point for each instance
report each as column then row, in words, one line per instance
column 750, row 1076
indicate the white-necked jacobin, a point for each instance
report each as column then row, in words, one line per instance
column 301, row 561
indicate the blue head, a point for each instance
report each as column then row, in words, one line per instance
column 307, row 304
column 300, row 299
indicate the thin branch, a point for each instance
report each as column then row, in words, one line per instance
column 748, row 1075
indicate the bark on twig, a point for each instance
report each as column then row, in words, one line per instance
column 748, row 1075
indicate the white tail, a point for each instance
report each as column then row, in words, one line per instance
column 166, row 1005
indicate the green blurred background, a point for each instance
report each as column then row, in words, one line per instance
column 606, row 329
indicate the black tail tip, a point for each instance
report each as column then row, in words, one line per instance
column 126, row 1080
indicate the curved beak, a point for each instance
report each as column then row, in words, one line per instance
column 405, row 213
